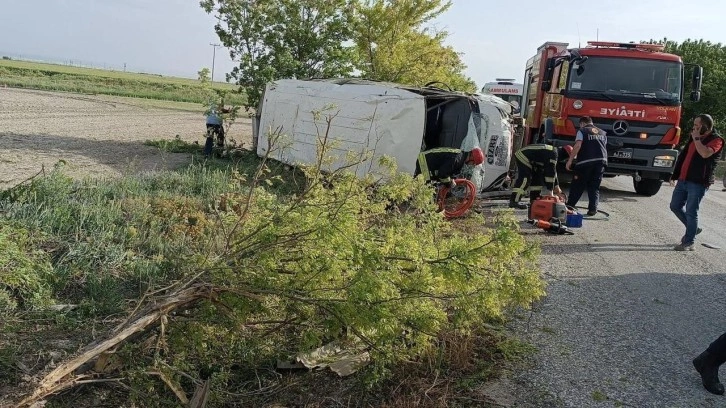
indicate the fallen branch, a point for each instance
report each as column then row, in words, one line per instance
column 172, row 386
column 31, row 178
column 62, row 377
column 201, row 395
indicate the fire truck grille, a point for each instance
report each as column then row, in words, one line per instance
column 633, row 128
column 608, row 123
column 632, row 162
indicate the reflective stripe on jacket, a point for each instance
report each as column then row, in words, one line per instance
column 440, row 163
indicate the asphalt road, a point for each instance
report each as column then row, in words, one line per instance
column 625, row 314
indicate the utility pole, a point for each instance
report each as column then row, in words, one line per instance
column 214, row 56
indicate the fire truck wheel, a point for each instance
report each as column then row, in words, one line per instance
column 647, row 187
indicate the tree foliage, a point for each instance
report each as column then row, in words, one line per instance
column 385, row 40
column 275, row 39
column 203, row 75
column 712, row 57
column 394, row 44
column 369, row 264
column 341, row 262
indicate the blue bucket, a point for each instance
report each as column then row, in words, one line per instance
column 574, row 220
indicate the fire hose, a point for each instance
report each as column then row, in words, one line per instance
column 464, row 203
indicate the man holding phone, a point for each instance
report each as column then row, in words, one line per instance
column 694, row 173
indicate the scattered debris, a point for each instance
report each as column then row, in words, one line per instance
column 62, row 308
column 341, row 360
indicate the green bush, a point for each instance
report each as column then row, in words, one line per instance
column 175, row 145
column 24, row 270
column 371, row 265
column 117, row 238
column 720, row 171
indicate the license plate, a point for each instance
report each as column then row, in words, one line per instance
column 623, row 154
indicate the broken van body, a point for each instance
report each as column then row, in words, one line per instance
column 384, row 119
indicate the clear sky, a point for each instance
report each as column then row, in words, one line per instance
column 172, row 36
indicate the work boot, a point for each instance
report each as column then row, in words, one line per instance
column 707, row 366
column 518, row 206
column 683, row 247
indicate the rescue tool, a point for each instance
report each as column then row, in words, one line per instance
column 553, row 226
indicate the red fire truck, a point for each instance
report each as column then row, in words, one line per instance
column 631, row 91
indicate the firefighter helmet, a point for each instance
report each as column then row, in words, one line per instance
column 476, row 156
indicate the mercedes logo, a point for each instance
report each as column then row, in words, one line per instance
column 620, row 127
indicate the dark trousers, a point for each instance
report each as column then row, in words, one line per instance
column 213, row 132
column 588, row 176
column 718, row 349
column 528, row 178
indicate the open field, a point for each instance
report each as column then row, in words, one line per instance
column 94, row 135
column 52, row 77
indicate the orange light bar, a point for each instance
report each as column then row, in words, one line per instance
column 646, row 47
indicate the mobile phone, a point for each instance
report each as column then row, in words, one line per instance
column 703, row 130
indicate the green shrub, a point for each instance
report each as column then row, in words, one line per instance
column 720, row 171
column 175, row 145
column 24, row 270
column 371, row 265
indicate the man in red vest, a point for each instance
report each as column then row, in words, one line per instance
column 694, row 173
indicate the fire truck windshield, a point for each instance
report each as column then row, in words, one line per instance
column 627, row 80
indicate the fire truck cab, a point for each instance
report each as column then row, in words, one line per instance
column 631, row 91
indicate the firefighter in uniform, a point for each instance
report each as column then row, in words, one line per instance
column 536, row 168
column 441, row 163
column 592, row 157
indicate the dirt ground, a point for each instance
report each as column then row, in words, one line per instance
column 95, row 135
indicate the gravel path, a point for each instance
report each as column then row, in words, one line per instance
column 95, row 135
column 625, row 314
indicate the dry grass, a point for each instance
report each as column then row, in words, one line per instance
column 451, row 374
